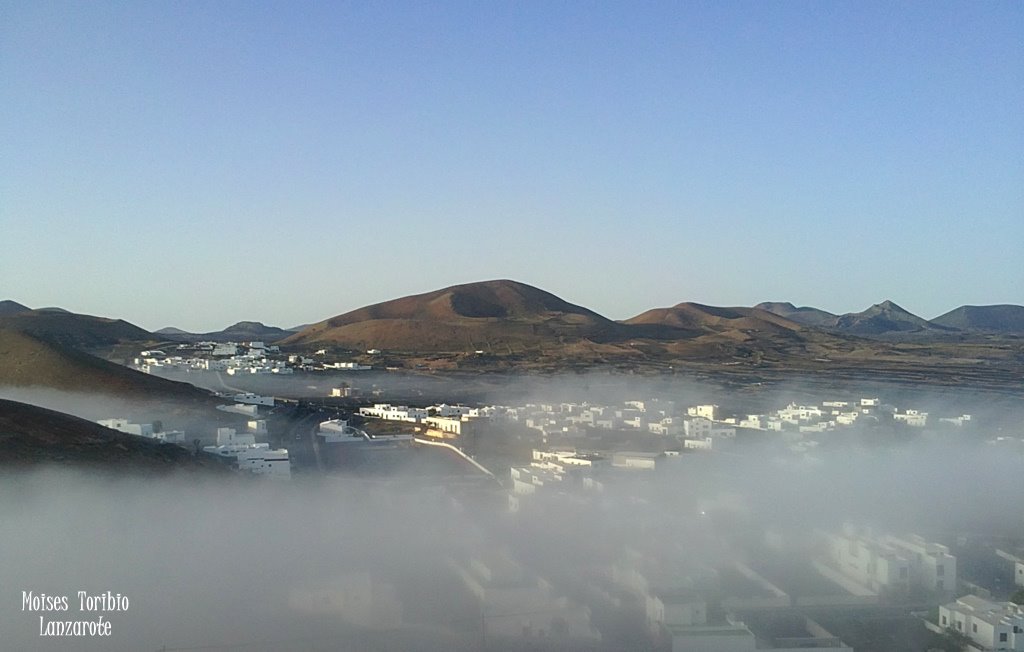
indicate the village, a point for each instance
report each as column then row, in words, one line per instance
column 790, row 589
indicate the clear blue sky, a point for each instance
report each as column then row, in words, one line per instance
column 198, row 163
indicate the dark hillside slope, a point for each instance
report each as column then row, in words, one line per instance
column 31, row 436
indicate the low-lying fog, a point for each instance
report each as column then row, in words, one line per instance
column 335, row 563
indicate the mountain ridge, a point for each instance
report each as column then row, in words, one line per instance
column 243, row 331
column 486, row 313
column 996, row 318
column 76, row 330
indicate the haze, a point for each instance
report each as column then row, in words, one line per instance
column 235, row 564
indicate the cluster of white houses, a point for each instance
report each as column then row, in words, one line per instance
column 698, row 427
column 230, row 357
column 861, row 567
column 831, row 415
column 235, row 358
column 250, row 456
column 440, row 421
column 241, row 449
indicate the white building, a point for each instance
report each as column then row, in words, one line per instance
column 912, row 418
column 957, row 421
column 835, row 404
column 453, row 426
column 794, row 413
column 701, row 428
column 122, row 425
column 710, row 412
column 636, row 460
column 228, row 349
column 347, row 366
column 337, row 431
column 254, row 399
column 762, row 422
column 240, row 408
column 445, row 410
column 991, row 625
column 250, row 456
column 264, row 461
column 705, row 444
column 888, row 563
column 390, row 412
column 931, row 565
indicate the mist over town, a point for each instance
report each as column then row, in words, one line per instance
column 511, row 327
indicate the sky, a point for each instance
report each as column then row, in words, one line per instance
column 198, row 163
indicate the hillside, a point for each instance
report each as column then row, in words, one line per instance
column 692, row 331
column 8, row 307
column 70, row 329
column 1001, row 318
column 884, row 318
column 698, row 319
column 485, row 315
column 243, row 331
column 31, row 435
column 803, row 315
column 30, row 361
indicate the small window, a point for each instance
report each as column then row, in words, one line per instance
column 974, row 627
column 943, row 620
column 1002, row 637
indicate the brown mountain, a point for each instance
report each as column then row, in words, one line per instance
column 31, row 361
column 464, row 318
column 71, row 329
column 31, row 435
column 688, row 318
column 692, row 331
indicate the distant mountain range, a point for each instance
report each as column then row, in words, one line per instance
column 503, row 313
column 243, row 331
column 507, row 316
column 887, row 318
column 803, row 315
